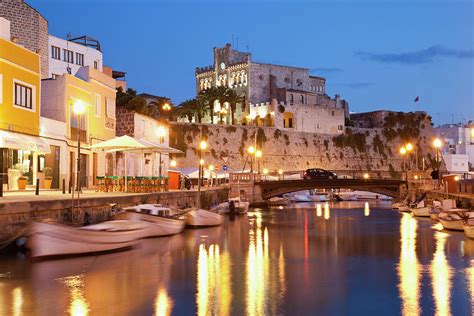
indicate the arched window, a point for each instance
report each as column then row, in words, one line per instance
column 302, row 99
column 291, row 98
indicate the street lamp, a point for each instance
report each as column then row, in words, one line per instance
column 403, row 152
column 211, row 169
column 280, row 172
column 173, row 163
column 258, row 155
column 166, row 106
column 366, row 176
column 202, row 147
column 161, row 133
column 78, row 108
column 265, row 172
column 251, row 151
column 437, row 144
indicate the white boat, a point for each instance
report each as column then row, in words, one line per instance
column 404, row 208
column 202, row 218
column 363, row 195
column 241, row 206
column 302, row 198
column 421, row 210
column 468, row 227
column 165, row 220
column 347, row 196
column 51, row 239
column 451, row 219
column 276, row 201
column 318, row 198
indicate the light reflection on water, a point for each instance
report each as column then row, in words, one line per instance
column 325, row 258
column 409, row 269
column 441, row 275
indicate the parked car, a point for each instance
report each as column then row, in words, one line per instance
column 317, row 173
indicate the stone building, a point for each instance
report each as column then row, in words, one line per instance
column 267, row 89
column 28, row 28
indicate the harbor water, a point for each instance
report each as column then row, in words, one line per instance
column 345, row 258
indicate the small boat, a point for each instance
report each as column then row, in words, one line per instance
column 318, row 197
column 52, row 239
column 276, row 201
column 421, row 210
column 363, row 195
column 302, row 198
column 198, row 217
column 347, row 196
column 452, row 219
column 240, row 205
column 468, row 227
column 165, row 220
column 404, row 208
column 397, row 205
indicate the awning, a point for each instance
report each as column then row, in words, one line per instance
column 25, row 142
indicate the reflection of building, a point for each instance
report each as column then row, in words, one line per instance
column 141, row 126
column 20, row 146
column 97, row 91
column 274, row 95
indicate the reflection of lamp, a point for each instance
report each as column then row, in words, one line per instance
column 78, row 109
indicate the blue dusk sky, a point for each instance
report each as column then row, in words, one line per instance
column 375, row 54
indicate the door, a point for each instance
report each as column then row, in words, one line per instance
column 94, row 168
column 83, row 171
column 52, row 161
column 72, row 175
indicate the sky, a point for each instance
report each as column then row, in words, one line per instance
column 375, row 54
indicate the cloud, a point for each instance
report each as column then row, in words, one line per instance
column 325, row 70
column 423, row 56
column 355, row 85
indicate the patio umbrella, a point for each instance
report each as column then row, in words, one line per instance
column 121, row 143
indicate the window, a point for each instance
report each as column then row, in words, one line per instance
column 23, row 96
column 302, row 99
column 68, row 56
column 339, row 127
column 110, row 108
column 333, row 113
column 97, row 105
column 290, row 122
column 291, row 98
column 79, row 59
column 55, row 52
column 318, row 126
column 96, row 64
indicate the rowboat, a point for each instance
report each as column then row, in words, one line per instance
column 52, row 239
column 421, row 210
column 198, row 217
column 239, row 205
column 165, row 220
column 468, row 227
column 451, row 219
column 404, row 208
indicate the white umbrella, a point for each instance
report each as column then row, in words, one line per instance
column 121, row 143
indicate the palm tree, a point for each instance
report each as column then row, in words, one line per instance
column 210, row 96
column 157, row 108
column 184, row 110
column 192, row 108
column 233, row 98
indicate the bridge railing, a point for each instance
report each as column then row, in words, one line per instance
column 341, row 174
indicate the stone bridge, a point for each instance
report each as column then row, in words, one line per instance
column 258, row 188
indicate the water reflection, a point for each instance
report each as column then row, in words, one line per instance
column 470, row 280
column 326, row 211
column 213, row 281
column 17, row 301
column 441, row 276
column 163, row 303
column 78, row 305
column 409, row 268
column 319, row 211
column 366, row 209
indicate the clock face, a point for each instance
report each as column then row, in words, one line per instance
column 222, row 66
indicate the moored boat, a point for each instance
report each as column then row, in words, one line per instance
column 201, row 218
column 468, row 227
column 404, row 208
column 166, row 221
column 421, row 211
column 238, row 204
column 452, row 219
column 52, row 239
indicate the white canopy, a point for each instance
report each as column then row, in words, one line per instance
column 119, row 143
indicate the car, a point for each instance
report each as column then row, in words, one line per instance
column 317, row 173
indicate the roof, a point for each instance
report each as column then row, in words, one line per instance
column 86, row 41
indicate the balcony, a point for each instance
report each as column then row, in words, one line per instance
column 82, row 135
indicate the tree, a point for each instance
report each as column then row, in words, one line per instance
column 210, row 96
column 233, row 98
column 192, row 108
column 160, row 107
column 131, row 101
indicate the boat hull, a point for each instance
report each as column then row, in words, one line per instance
column 469, row 230
column 49, row 240
column 203, row 218
column 451, row 224
column 421, row 211
column 404, row 208
column 159, row 226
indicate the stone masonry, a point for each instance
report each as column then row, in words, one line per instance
column 125, row 122
column 29, row 27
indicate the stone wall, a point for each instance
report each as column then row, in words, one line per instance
column 14, row 216
column 356, row 149
column 29, row 27
column 125, row 122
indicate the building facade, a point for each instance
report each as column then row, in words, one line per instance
column 28, row 28
column 268, row 89
column 68, row 56
column 97, row 91
column 458, row 139
column 21, row 148
column 143, row 127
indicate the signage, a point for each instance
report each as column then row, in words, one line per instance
column 225, row 168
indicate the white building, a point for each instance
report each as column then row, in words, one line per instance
column 67, row 56
column 458, row 139
column 456, row 163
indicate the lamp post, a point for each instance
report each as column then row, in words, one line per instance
column 258, row 155
column 251, row 152
column 161, row 133
column 280, row 172
column 265, row 172
column 409, row 148
column 403, row 152
column 211, row 171
column 78, row 109
column 437, row 145
column 202, row 147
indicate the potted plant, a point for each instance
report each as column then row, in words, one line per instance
column 48, row 177
column 22, row 181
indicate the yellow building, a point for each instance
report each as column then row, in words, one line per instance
column 20, row 144
column 96, row 91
